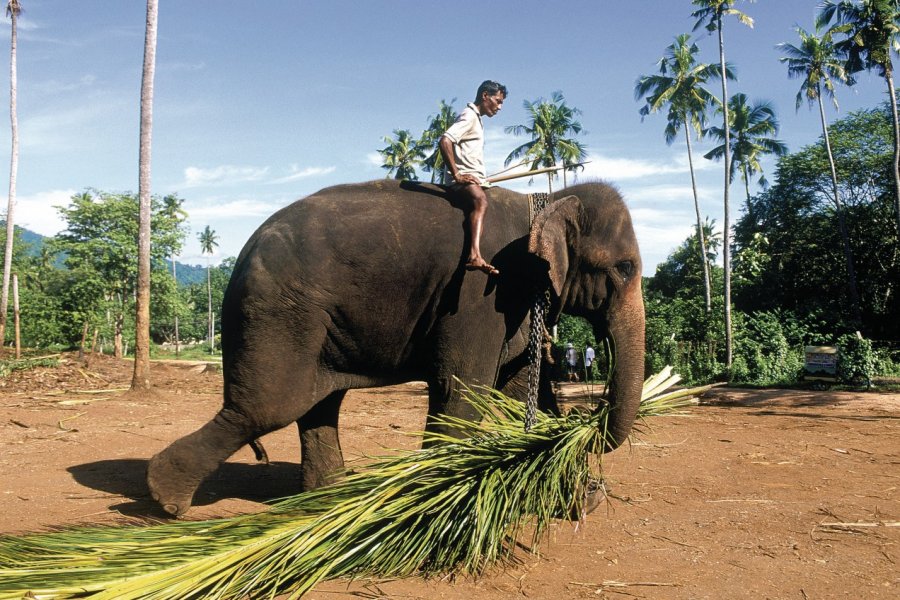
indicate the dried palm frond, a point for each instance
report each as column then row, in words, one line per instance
column 455, row 507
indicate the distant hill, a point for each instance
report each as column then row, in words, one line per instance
column 187, row 274
column 34, row 240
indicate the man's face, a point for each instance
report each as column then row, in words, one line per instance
column 491, row 105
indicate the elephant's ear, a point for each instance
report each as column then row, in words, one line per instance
column 554, row 235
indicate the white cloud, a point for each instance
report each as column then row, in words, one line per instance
column 176, row 66
column 297, row 173
column 225, row 175
column 374, row 159
column 617, row 169
column 37, row 212
column 53, row 87
column 230, row 209
column 657, row 242
column 63, row 127
column 222, row 175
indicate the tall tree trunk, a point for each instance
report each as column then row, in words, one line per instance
column 726, row 227
column 175, row 277
column 13, row 173
column 842, row 223
column 889, row 78
column 745, row 173
column 700, row 233
column 209, row 313
column 141, row 378
column 15, row 284
column 118, row 326
column 84, row 332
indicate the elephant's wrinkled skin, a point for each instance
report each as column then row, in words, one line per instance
column 363, row 285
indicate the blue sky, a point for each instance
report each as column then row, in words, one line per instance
column 260, row 103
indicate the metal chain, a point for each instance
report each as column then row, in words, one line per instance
column 536, row 203
column 535, row 338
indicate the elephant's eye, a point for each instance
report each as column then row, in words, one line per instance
column 626, row 269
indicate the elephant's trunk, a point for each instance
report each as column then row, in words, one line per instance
column 626, row 332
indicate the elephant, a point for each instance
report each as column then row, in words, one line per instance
column 364, row 285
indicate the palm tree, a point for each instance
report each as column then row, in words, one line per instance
column 679, row 85
column 208, row 243
column 141, row 378
column 437, row 125
column 549, row 124
column 401, row 155
column 710, row 13
column 13, row 8
column 872, row 30
column 818, row 62
column 750, row 126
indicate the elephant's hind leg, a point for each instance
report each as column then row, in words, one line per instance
column 320, row 445
column 174, row 474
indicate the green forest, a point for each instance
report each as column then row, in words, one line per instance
column 77, row 289
column 811, row 259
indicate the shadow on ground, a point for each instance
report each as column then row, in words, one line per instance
column 126, row 477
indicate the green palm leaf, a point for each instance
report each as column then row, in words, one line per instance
column 456, row 507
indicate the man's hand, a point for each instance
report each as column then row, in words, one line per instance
column 466, row 178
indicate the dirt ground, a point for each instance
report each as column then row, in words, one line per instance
column 752, row 494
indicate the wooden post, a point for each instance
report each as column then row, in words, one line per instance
column 84, row 332
column 15, row 279
column 175, row 277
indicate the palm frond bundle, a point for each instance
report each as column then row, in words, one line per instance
column 456, row 507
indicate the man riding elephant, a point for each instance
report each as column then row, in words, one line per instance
column 462, row 147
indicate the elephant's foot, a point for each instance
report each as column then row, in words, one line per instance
column 316, row 476
column 595, row 491
column 170, row 483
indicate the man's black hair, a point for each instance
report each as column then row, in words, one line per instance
column 491, row 87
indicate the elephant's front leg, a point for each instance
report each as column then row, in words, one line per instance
column 513, row 381
column 320, row 446
column 445, row 397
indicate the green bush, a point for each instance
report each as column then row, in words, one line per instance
column 856, row 359
column 763, row 355
column 886, row 365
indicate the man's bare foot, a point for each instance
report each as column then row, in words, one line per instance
column 479, row 264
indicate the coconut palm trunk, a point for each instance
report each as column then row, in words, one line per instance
column 892, row 93
column 726, row 219
column 842, row 222
column 141, row 377
column 704, row 260
column 12, row 9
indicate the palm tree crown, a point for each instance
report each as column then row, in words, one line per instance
column 750, row 126
column 208, row 240
column 401, row 155
column 818, row 62
column 549, row 124
column 679, row 85
column 710, row 13
column 872, row 30
column 437, row 125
